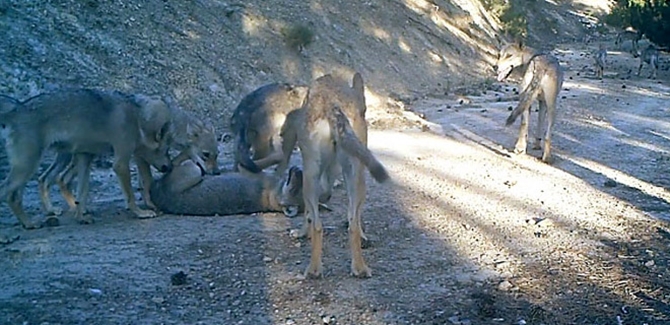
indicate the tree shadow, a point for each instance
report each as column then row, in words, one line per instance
column 569, row 272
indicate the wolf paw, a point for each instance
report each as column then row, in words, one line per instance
column 314, row 271
column 55, row 212
column 297, row 233
column 150, row 204
column 30, row 225
column 85, row 220
column 361, row 271
column 303, row 232
column 145, row 214
column 5, row 240
column 547, row 159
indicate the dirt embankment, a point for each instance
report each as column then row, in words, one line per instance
column 209, row 53
column 470, row 234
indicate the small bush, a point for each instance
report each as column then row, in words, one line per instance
column 298, row 37
column 513, row 19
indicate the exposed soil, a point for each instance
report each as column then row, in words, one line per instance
column 469, row 233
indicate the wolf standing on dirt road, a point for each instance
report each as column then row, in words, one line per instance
column 331, row 132
column 633, row 36
column 599, row 57
column 650, row 57
column 193, row 138
column 78, row 121
column 542, row 80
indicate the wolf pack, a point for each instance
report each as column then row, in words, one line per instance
column 649, row 56
column 325, row 120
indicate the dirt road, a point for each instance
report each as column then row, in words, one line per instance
column 468, row 234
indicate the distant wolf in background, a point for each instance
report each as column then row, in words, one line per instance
column 650, row 57
column 599, row 57
column 633, row 36
column 542, row 80
column 257, row 122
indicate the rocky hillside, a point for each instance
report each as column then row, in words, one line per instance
column 209, row 53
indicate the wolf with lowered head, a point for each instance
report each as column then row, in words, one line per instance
column 542, row 81
column 82, row 121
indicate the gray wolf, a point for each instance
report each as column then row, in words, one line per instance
column 633, row 36
column 185, row 190
column 331, row 132
column 599, row 57
column 193, row 139
column 542, row 80
column 650, row 57
column 80, row 121
column 257, row 122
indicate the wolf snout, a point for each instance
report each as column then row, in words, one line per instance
column 166, row 169
column 212, row 170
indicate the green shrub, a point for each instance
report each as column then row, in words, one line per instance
column 512, row 17
column 298, row 37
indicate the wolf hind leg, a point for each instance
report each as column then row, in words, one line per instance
column 354, row 179
column 540, row 127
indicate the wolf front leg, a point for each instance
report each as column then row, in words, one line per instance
column 12, row 188
column 122, row 170
column 83, row 167
column 146, row 178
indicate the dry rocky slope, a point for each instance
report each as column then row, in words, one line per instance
column 210, row 53
column 471, row 234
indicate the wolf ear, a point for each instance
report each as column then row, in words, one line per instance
column 163, row 133
column 150, row 144
column 138, row 98
column 151, row 107
column 191, row 131
column 294, row 181
column 210, row 127
column 358, row 83
column 141, row 100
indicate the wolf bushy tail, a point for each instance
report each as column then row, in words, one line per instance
column 527, row 96
column 348, row 141
column 244, row 153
